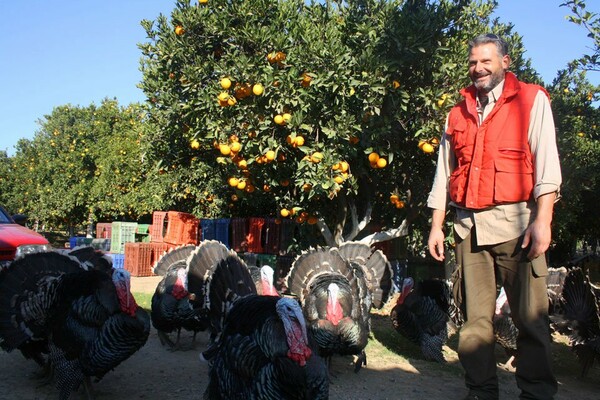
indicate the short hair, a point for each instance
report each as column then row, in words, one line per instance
column 501, row 45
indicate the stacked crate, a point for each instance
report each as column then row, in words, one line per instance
column 157, row 229
column 182, row 228
column 121, row 233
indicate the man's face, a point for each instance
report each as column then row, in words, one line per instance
column 487, row 67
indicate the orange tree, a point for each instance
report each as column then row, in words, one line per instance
column 328, row 113
column 83, row 165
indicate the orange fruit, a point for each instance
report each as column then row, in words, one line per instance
column 233, row 181
column 307, row 187
column 179, row 30
column 381, row 163
column 224, row 149
column 284, row 212
column 278, row 119
column 427, row 148
column 394, row 198
column 316, row 157
column 399, row 204
column 373, row 157
column 223, row 96
column 312, row 220
column 225, row 83
column 242, row 164
column 299, row 141
column 338, row 179
column 422, row 143
column 285, row 182
column 287, row 117
column 289, row 139
column 395, row 84
column 195, row 144
column 241, row 185
column 231, row 101
column 258, row 89
column 266, row 188
column 202, row 1
column 270, row 155
column 235, row 147
column 344, row 166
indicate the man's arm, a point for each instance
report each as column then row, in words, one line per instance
column 539, row 232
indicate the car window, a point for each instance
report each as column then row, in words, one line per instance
column 4, row 218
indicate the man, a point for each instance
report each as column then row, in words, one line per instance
column 498, row 168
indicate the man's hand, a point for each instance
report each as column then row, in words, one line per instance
column 539, row 234
column 436, row 243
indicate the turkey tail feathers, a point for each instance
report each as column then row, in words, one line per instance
column 376, row 267
column 176, row 256
column 312, row 263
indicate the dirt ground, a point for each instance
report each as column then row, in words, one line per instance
column 156, row 373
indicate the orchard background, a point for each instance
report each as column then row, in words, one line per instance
column 328, row 113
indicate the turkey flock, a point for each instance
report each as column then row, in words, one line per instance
column 74, row 315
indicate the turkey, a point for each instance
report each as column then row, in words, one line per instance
column 264, row 353
column 260, row 347
column 580, row 306
column 505, row 331
column 421, row 314
column 25, row 288
column 336, row 296
column 217, row 277
column 96, row 325
column 171, row 308
column 85, row 319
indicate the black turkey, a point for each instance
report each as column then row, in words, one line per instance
column 580, row 306
column 26, row 295
column 264, row 353
column 337, row 294
column 172, row 309
column 421, row 314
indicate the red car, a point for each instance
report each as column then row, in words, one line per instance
column 17, row 240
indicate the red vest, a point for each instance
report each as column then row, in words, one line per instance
column 494, row 161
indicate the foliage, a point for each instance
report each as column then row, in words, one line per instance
column 591, row 22
column 81, row 166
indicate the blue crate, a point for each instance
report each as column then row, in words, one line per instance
column 222, row 230
column 75, row 241
column 209, row 231
column 118, row 260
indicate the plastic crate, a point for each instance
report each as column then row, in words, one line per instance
column 103, row 230
column 239, row 233
column 209, row 231
column 75, row 241
column 222, row 230
column 158, row 249
column 286, row 235
column 122, row 232
column 254, row 237
column 182, row 228
column 271, row 236
column 138, row 259
column 157, row 229
column 118, row 260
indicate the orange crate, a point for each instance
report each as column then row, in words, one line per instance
column 157, row 228
column 254, row 237
column 158, row 249
column 103, row 230
column 182, row 228
column 138, row 259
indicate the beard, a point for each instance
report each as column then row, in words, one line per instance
column 488, row 84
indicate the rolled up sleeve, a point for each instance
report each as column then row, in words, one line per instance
column 542, row 140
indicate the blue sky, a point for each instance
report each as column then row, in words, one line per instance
column 81, row 51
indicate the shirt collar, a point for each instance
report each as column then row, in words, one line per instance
column 494, row 94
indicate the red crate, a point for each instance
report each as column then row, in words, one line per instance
column 157, row 228
column 158, row 249
column 182, row 228
column 254, row 237
column 103, row 230
column 239, row 232
column 272, row 236
column 138, row 259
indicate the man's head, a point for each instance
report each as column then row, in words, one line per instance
column 488, row 61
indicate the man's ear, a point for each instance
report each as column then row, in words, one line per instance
column 506, row 62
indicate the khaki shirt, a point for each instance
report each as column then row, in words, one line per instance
column 504, row 222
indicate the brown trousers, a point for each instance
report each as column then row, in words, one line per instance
column 525, row 284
